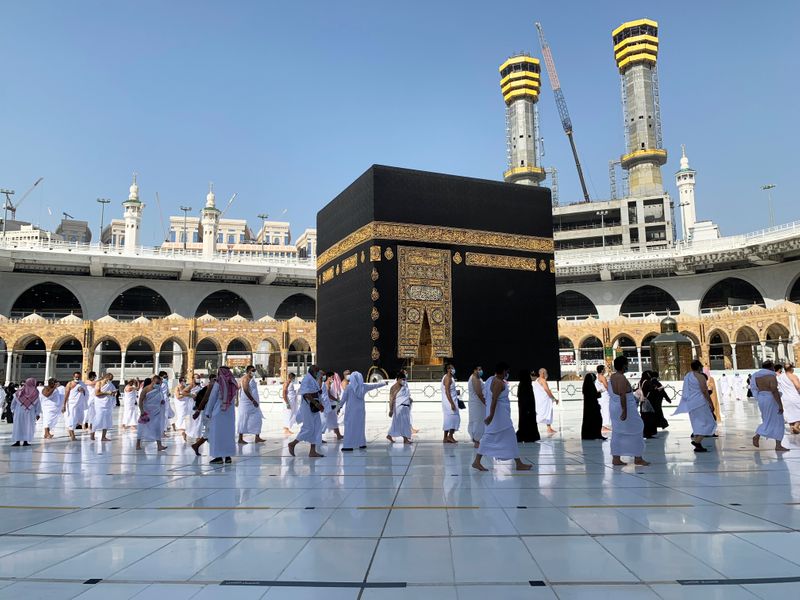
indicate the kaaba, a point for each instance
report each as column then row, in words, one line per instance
column 415, row 269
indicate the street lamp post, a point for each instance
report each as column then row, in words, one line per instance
column 103, row 202
column 263, row 217
column 602, row 214
column 769, row 187
column 186, row 210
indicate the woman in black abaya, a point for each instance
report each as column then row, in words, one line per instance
column 592, row 418
column 527, row 431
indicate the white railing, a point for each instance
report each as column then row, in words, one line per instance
column 254, row 257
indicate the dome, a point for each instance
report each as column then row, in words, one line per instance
column 207, row 317
column 33, row 318
column 210, row 197
column 173, row 317
column 266, row 319
column 669, row 325
column 141, row 320
column 71, row 319
column 237, row 318
column 133, row 191
column 107, row 319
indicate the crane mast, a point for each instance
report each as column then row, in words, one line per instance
column 561, row 104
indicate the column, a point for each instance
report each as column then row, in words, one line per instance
column 284, row 363
column 763, row 353
column 48, row 359
column 9, row 361
column 224, row 359
column 189, row 366
column 122, row 367
column 733, row 357
column 156, row 361
column 639, row 357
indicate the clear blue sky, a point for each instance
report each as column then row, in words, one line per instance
column 287, row 102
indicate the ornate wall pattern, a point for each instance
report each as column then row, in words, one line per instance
column 424, row 288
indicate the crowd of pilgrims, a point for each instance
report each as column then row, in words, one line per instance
column 221, row 410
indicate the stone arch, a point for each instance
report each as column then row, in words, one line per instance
column 697, row 349
column 646, row 300
column 591, row 349
column 140, row 356
column 572, row 305
column 748, row 348
column 48, row 299
column 136, row 301
column 647, row 360
column 32, row 355
column 625, row 345
column 3, row 359
column 238, row 353
column 566, row 351
column 106, row 354
column 777, row 340
column 172, row 355
column 224, row 304
column 731, row 292
column 793, row 292
column 719, row 350
column 207, row 356
column 300, row 355
column 297, row 305
column 67, row 357
column 267, row 357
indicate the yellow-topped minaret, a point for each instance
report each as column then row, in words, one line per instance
column 636, row 54
column 519, row 84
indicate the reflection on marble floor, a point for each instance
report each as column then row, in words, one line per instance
column 401, row 521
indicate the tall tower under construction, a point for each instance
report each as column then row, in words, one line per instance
column 519, row 83
column 636, row 52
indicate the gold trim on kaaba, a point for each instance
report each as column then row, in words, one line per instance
column 328, row 274
column 433, row 234
column 374, row 253
column 501, row 261
column 375, row 334
column 363, row 257
column 338, row 269
column 375, row 314
column 457, row 258
column 375, row 275
column 552, row 266
column 350, row 263
column 542, row 265
column 374, row 295
column 388, row 254
column 375, row 353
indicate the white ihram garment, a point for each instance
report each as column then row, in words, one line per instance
column 129, row 414
column 603, row 402
column 627, row 437
column 104, row 408
column 499, row 440
column 772, row 425
column 544, row 404
column 221, row 425
column 183, row 410
column 451, row 419
column 196, row 428
column 695, row 404
column 355, row 417
column 477, row 410
column 290, row 414
column 88, row 416
column 51, row 408
column 249, row 419
column 790, row 398
column 401, row 416
column 311, row 431
column 24, row 419
column 330, row 418
column 153, row 406
column 75, row 403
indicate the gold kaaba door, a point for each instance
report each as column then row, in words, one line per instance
column 425, row 309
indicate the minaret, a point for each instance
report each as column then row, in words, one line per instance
column 519, row 83
column 636, row 52
column 684, row 179
column 133, row 218
column 210, row 219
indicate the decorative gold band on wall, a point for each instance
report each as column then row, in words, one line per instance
column 501, row 261
column 433, row 234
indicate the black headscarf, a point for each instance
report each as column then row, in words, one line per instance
column 528, row 431
column 591, row 427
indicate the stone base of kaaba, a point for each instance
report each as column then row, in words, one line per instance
column 418, row 268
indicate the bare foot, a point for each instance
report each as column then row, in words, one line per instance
column 291, row 447
column 183, row 433
column 315, row 454
column 781, row 448
column 406, row 440
column 339, row 437
column 196, row 448
column 521, row 466
column 138, row 446
column 640, row 462
column 258, row 440
column 105, row 439
column 551, row 430
column 241, row 442
column 478, row 466
column 287, row 431
column 618, row 462
column 390, row 438
column 414, row 430
column 604, row 428
column 91, row 437
column 756, row 439
column 476, row 444
column 161, row 447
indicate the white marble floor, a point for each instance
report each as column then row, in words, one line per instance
column 91, row 520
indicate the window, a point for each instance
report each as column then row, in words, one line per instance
column 172, row 236
column 195, row 236
column 231, row 238
column 632, row 212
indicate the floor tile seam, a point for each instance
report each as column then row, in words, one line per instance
column 386, row 522
column 55, row 564
column 739, row 534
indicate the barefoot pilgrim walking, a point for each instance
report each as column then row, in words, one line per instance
column 789, row 386
column 355, row 416
column 499, row 440
column 477, row 406
column 91, row 388
column 627, row 426
column 764, row 385
column 27, row 409
column 183, row 404
column 198, row 423
column 602, row 386
column 105, row 399
column 696, row 400
column 451, row 418
column 51, row 400
column 329, row 393
column 544, row 401
column 129, row 415
column 150, row 427
column 308, row 415
column 400, row 410
column 250, row 418
column 221, row 416
column 290, row 401
column 74, row 396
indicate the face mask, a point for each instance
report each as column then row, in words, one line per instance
column 324, row 378
column 347, row 377
column 452, row 371
column 505, row 376
column 480, row 372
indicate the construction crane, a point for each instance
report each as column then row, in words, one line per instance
column 561, row 103
column 12, row 208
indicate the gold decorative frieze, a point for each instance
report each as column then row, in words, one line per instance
column 374, row 274
column 542, row 265
column 328, row 274
column 389, row 254
column 349, row 263
column 363, row 257
column 374, row 253
column 433, row 234
column 375, row 334
column 375, row 314
column 374, row 295
column 457, row 258
column 375, row 353
column 501, row 261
